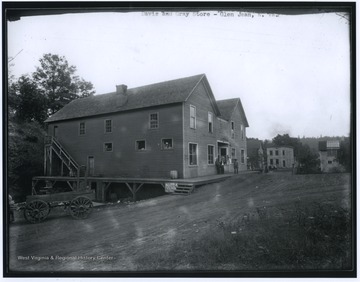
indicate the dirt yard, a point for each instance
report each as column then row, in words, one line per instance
column 118, row 237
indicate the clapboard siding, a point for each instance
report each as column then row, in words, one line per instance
column 128, row 127
column 201, row 135
column 239, row 142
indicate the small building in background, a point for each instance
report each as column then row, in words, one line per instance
column 329, row 155
column 280, row 157
column 255, row 153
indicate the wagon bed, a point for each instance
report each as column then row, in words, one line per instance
column 79, row 204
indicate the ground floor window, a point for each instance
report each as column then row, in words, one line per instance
column 192, row 154
column 284, row 164
column 271, row 161
column 233, row 153
column 277, row 161
column 211, row 150
column 242, row 156
column 108, row 147
column 140, row 145
column 166, row 144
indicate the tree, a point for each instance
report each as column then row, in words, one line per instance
column 286, row 140
column 308, row 161
column 345, row 154
column 27, row 101
column 57, row 81
column 31, row 99
column 25, row 151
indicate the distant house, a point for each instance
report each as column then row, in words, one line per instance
column 255, row 154
column 279, row 156
column 329, row 154
column 149, row 131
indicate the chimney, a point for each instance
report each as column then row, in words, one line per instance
column 121, row 95
column 121, row 89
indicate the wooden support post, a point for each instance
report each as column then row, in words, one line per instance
column 139, row 187
column 101, row 190
column 104, row 191
column 78, row 179
column 68, row 182
column 134, row 189
column 50, row 162
column 98, row 190
column 33, row 184
column 45, row 157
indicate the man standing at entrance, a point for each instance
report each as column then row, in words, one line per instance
column 236, row 166
column 222, row 164
column 217, row 164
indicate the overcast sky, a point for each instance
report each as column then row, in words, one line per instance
column 292, row 73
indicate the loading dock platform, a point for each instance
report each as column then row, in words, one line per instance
column 102, row 184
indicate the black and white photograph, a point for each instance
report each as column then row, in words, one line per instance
column 179, row 140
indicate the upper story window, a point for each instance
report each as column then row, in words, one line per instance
column 211, row 122
column 154, row 121
column 242, row 132
column 232, row 129
column 283, row 152
column 166, row 144
column 192, row 117
column 271, row 152
column 140, row 145
column 55, row 130
column 276, row 152
column 108, row 126
column 82, row 128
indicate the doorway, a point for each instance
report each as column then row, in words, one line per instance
column 91, row 165
column 223, row 154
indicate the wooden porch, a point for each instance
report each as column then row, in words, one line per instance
column 102, row 184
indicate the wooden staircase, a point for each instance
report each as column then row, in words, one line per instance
column 184, row 189
column 53, row 146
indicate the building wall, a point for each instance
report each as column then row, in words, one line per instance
column 239, row 142
column 200, row 135
column 203, row 138
column 127, row 128
column 288, row 158
column 328, row 161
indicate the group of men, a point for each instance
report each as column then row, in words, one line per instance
column 220, row 163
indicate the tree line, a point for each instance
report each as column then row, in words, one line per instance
column 31, row 99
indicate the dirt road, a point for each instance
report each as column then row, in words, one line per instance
column 114, row 238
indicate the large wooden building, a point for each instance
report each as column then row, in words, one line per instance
column 174, row 126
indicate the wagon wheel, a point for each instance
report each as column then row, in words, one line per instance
column 36, row 211
column 81, row 207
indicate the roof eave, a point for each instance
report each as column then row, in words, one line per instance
column 209, row 91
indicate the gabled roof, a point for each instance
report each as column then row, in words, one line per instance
column 227, row 107
column 168, row 92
